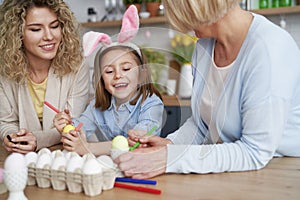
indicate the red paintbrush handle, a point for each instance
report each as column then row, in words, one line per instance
column 138, row 188
column 78, row 127
column 50, row 106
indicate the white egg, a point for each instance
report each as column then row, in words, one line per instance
column 31, row 158
column 88, row 156
column 44, row 150
column 92, row 166
column 69, row 154
column 59, row 163
column 15, row 162
column 106, row 162
column 43, row 160
column 57, row 153
column 74, row 163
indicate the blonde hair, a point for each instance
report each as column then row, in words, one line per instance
column 13, row 61
column 188, row 15
column 145, row 88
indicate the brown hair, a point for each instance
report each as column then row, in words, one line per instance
column 145, row 88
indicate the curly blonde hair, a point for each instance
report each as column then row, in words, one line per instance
column 13, row 61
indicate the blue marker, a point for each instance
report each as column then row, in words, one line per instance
column 137, row 181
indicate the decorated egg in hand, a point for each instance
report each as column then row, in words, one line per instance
column 68, row 128
column 120, row 142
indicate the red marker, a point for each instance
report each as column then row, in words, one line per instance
column 138, row 188
column 78, row 127
column 56, row 110
column 50, row 106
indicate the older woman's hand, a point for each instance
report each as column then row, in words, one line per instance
column 143, row 163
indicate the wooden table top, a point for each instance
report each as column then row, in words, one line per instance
column 280, row 179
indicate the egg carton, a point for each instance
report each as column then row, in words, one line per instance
column 58, row 179
column 90, row 184
column 74, row 182
column 43, row 177
column 31, row 180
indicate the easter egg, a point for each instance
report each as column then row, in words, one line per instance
column 120, row 142
column 91, row 166
column 15, row 162
column 68, row 128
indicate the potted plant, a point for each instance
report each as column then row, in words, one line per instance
column 152, row 6
column 137, row 3
column 157, row 62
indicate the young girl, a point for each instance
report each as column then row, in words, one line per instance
column 125, row 98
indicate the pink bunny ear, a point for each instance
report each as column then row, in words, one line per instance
column 91, row 40
column 130, row 24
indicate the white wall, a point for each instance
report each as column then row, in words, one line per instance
column 292, row 24
column 80, row 7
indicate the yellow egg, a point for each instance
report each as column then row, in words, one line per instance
column 120, row 142
column 68, row 128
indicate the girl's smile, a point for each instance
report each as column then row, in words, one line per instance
column 120, row 73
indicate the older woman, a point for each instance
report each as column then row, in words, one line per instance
column 40, row 60
column 245, row 101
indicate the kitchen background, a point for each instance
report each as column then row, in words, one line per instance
column 80, row 9
column 157, row 35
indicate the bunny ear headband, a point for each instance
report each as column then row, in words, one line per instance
column 130, row 26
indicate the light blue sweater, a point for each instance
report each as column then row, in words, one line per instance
column 257, row 115
column 112, row 122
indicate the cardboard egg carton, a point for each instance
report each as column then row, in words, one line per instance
column 90, row 183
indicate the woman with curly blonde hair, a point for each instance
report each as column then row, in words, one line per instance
column 41, row 60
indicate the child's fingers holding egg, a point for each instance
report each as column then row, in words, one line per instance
column 134, row 135
column 60, row 121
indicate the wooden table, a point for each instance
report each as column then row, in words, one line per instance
column 280, row 179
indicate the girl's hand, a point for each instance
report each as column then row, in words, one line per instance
column 146, row 140
column 134, row 136
column 75, row 141
column 62, row 119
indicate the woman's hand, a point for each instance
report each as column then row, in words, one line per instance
column 62, row 119
column 8, row 143
column 143, row 163
column 75, row 141
column 21, row 142
column 146, row 140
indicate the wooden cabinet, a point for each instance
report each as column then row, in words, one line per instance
column 278, row 11
column 151, row 20
column 177, row 111
column 174, row 117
